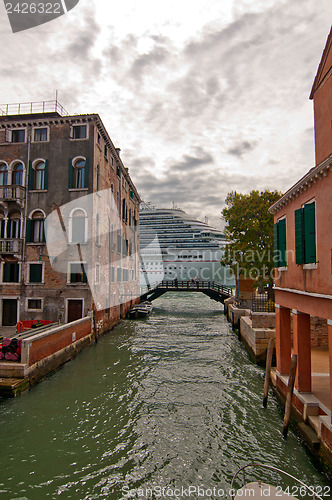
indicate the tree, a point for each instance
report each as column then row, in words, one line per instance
column 249, row 232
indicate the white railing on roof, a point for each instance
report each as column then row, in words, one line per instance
column 27, row 108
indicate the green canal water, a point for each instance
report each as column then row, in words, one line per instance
column 156, row 407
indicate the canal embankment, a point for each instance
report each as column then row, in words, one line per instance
column 310, row 412
column 43, row 350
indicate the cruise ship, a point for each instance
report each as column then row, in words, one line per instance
column 174, row 245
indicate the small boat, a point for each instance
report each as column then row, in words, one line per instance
column 294, row 489
column 141, row 310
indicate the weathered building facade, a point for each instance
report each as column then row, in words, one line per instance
column 69, row 218
column 303, row 284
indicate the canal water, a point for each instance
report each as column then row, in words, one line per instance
column 158, row 406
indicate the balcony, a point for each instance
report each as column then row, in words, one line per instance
column 12, row 193
column 11, row 246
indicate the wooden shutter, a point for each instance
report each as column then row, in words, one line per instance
column 70, row 174
column 46, row 175
column 86, row 173
column 282, row 242
column 29, row 231
column 299, row 237
column 31, row 180
column 276, row 252
column 309, row 233
column 35, row 273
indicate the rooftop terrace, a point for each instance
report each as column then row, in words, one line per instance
column 32, row 108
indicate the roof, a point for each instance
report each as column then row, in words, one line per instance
column 314, row 175
column 321, row 74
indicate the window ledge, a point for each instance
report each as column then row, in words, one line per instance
column 314, row 265
column 33, row 284
column 79, row 138
column 283, row 268
column 77, row 284
column 35, row 243
column 78, row 189
column 37, row 190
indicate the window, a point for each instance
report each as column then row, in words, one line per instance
column 106, row 151
column 17, row 175
column 14, row 225
column 97, row 230
column 38, row 175
column 280, row 259
column 78, row 173
column 119, row 274
column 11, row 272
column 77, row 272
column 305, row 234
column 35, row 228
column 78, row 226
column 79, row 132
column 3, row 174
column 112, row 197
column 40, row 134
column 35, row 273
column 34, row 304
column 97, row 273
column 98, row 178
column 18, row 135
column 98, row 139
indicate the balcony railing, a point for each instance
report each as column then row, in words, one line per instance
column 12, row 193
column 11, row 246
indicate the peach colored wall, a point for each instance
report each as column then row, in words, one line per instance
column 296, row 277
column 323, row 114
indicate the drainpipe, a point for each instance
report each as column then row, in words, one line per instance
column 25, row 209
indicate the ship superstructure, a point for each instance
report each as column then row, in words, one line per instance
column 175, row 245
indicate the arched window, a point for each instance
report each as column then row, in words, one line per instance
column 78, row 226
column 3, row 174
column 17, row 175
column 38, row 227
column 39, row 175
column 14, row 225
column 35, row 227
column 79, row 174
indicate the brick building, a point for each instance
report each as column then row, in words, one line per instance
column 303, row 238
column 63, row 173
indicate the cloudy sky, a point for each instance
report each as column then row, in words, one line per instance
column 202, row 96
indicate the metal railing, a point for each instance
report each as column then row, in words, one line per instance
column 28, row 108
column 262, row 303
column 197, row 285
column 277, row 473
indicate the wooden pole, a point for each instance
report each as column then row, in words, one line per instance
column 268, row 371
column 290, row 390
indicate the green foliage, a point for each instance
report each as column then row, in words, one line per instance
column 249, row 232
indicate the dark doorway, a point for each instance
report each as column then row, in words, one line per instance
column 75, row 309
column 9, row 312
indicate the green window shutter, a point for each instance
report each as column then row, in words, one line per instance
column 43, row 239
column 2, row 235
column 31, row 182
column 276, row 252
column 309, row 233
column 299, row 237
column 46, row 175
column 6, row 272
column 29, row 231
column 282, row 242
column 70, row 174
column 35, row 275
column 86, row 173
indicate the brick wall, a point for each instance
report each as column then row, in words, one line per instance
column 45, row 344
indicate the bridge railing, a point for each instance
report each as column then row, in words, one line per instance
column 197, row 285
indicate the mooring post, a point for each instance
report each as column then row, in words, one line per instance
column 268, row 370
column 290, row 391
